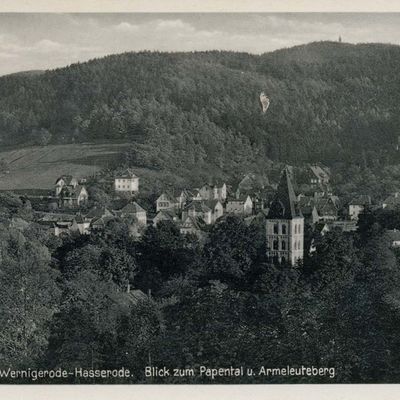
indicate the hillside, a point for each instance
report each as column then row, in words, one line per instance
column 38, row 167
column 330, row 102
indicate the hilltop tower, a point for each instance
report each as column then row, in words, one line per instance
column 285, row 225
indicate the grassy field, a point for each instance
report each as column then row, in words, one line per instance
column 38, row 167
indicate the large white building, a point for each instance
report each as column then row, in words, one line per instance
column 285, row 225
column 126, row 182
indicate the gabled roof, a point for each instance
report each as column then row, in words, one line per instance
column 98, row 212
column 168, row 196
column 132, row 208
column 195, row 223
column 165, row 215
column 362, row 200
column 198, row 206
column 66, row 178
column 127, row 174
column 211, row 204
column 284, row 205
column 326, row 205
column 185, row 192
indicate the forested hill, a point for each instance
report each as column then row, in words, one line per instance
column 329, row 102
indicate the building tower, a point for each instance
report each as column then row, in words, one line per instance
column 285, row 225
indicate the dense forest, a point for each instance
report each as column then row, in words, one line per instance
column 71, row 302
column 330, row 102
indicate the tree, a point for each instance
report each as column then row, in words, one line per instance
column 28, row 298
column 233, row 251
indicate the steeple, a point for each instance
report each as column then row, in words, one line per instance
column 284, row 205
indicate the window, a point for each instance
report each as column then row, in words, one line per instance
column 276, row 245
column 276, row 228
column 295, row 229
column 283, row 260
column 283, row 245
column 283, row 229
column 295, row 245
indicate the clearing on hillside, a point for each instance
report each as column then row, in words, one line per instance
column 38, row 167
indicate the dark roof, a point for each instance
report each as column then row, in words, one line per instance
column 132, row 208
column 326, row 206
column 198, row 206
column 362, row 200
column 393, row 199
column 128, row 173
column 211, row 203
column 167, row 214
column 191, row 222
column 66, row 178
column 169, row 196
column 98, row 212
column 284, row 205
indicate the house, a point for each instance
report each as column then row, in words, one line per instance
column 184, row 197
column 65, row 180
column 392, row 202
column 165, row 215
column 285, row 225
column 251, row 183
column 240, row 206
column 196, row 196
column 166, row 202
column 126, row 182
column 73, row 196
column 82, row 224
column 59, row 223
column 310, row 214
column 198, row 209
column 98, row 212
column 134, row 210
column 327, row 208
column 217, row 209
column 193, row 226
column 213, row 192
column 344, row 226
column 100, row 223
column 357, row 205
column 321, row 174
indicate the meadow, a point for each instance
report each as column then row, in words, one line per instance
column 38, row 167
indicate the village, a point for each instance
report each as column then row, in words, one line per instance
column 277, row 207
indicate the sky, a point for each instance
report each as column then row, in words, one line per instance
column 37, row 41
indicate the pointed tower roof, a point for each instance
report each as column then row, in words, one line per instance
column 284, row 205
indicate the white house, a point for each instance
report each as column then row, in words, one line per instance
column 241, row 206
column 127, row 182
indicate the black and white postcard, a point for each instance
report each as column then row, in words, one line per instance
column 199, row 198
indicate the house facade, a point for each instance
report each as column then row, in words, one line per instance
column 241, row 206
column 134, row 210
column 126, row 182
column 166, row 202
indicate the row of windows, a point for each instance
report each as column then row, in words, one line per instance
column 284, row 246
column 163, row 204
column 297, row 229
